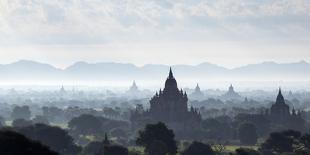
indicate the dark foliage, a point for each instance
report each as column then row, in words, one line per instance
column 157, row 148
column 54, row 137
column 39, row 119
column 157, row 135
column 85, row 125
column 284, row 142
column 21, row 123
column 198, row 148
column 93, row 148
column 246, row 151
column 2, row 121
column 212, row 127
column 13, row 143
column 247, row 134
column 258, row 120
column 22, row 112
column 115, row 150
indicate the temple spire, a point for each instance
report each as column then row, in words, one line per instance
column 197, row 88
column 170, row 74
column 280, row 98
column 171, row 83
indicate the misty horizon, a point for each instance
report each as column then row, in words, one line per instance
column 105, row 75
column 164, row 64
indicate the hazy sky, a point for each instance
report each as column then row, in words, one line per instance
column 225, row 32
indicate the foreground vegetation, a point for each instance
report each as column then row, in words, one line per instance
column 154, row 139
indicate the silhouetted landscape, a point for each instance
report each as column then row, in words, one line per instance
column 154, row 77
column 91, row 121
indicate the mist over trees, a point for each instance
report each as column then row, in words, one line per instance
column 171, row 121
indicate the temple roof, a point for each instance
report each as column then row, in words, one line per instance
column 171, row 83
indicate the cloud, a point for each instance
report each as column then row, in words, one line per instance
column 102, row 21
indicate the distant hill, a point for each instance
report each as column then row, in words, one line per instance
column 30, row 71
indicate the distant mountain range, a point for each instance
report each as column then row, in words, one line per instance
column 25, row 70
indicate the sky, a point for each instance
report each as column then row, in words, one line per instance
column 224, row 32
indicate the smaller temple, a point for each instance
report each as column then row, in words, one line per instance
column 197, row 94
column 280, row 109
column 290, row 95
column 231, row 94
column 134, row 87
column 280, row 114
column 133, row 90
column 246, row 100
column 62, row 90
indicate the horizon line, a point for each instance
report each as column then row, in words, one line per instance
column 143, row 65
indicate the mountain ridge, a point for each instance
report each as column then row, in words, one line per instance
column 32, row 70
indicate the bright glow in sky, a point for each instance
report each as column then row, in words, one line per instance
column 224, row 32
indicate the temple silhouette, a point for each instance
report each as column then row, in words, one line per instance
column 133, row 91
column 134, row 87
column 231, row 94
column 170, row 106
column 280, row 114
column 197, row 94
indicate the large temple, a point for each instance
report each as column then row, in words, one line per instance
column 170, row 106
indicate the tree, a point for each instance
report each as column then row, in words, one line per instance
column 54, row 114
column 39, row 119
column 85, row 125
column 13, row 143
column 258, row 120
column 246, row 151
column 247, row 134
column 286, row 142
column 198, row 148
column 96, row 148
column 115, row 150
column 281, row 142
column 154, row 134
column 21, row 123
column 217, row 129
column 119, row 133
column 157, row 148
column 21, row 113
column 93, row 148
column 2, row 122
column 54, row 137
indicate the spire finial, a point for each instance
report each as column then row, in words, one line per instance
column 280, row 98
column 170, row 74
